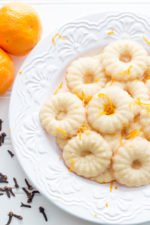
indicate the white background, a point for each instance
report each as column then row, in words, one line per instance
column 53, row 13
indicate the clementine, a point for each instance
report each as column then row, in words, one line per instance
column 20, row 28
column 6, row 72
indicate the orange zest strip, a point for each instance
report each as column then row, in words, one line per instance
column 61, row 131
column 111, row 81
column 133, row 134
column 57, row 35
column 72, row 164
column 106, row 205
column 108, row 107
column 110, row 32
column 111, row 186
column 140, row 103
column 121, row 141
column 127, row 71
column 58, row 88
column 83, row 128
column 147, row 41
column 97, row 80
column 146, row 75
column 83, row 97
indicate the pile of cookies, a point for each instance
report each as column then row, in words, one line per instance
column 102, row 121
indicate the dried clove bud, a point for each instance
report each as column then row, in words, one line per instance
column 42, row 210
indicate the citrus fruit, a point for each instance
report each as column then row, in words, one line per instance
column 20, row 28
column 6, row 72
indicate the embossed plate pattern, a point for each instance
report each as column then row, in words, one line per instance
column 38, row 153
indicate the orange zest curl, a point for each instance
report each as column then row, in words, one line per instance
column 106, row 205
column 61, row 131
column 58, row 88
column 111, row 186
column 133, row 134
column 110, row 32
column 127, row 71
column 108, row 107
column 83, row 128
column 147, row 41
column 57, row 35
column 144, row 104
column 83, row 97
column 72, row 164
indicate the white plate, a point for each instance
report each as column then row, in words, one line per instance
column 38, row 153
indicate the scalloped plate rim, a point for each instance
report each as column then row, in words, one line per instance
column 11, row 117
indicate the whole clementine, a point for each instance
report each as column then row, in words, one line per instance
column 20, row 28
column 6, row 72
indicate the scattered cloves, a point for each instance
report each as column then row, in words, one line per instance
column 30, row 195
column 3, row 178
column 11, row 215
column 29, row 186
column 17, row 216
column 10, row 153
column 16, row 183
column 42, row 210
column 8, row 191
column 30, row 199
column 0, row 140
column 1, row 121
column 27, row 192
column 3, row 135
column 9, row 218
column 11, row 192
column 25, row 205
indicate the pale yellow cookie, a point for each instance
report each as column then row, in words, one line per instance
column 104, row 177
column 124, row 60
column 109, row 110
column 62, row 115
column 85, row 77
column 87, row 156
column 131, row 163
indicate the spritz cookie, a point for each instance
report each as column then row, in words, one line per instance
column 104, row 177
column 87, row 156
column 124, row 60
column 131, row 163
column 137, row 89
column 62, row 115
column 85, row 77
column 109, row 110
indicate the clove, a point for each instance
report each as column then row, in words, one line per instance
column 10, row 153
column 42, row 210
column 16, row 183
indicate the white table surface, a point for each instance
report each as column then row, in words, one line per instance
column 53, row 13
